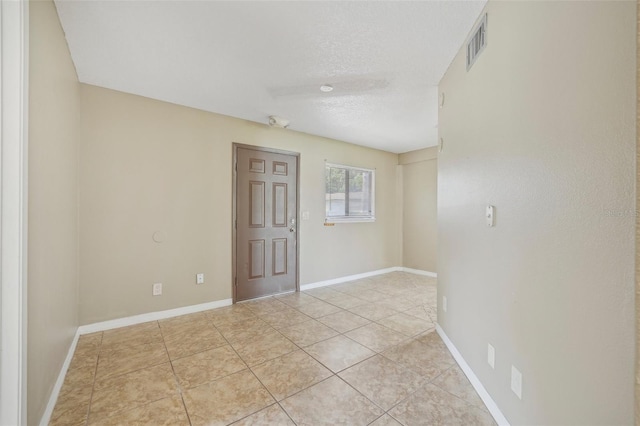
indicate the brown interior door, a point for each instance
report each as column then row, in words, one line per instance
column 266, row 223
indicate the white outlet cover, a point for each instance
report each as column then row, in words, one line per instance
column 516, row 382
column 199, row 278
column 157, row 289
column 444, row 303
column 491, row 355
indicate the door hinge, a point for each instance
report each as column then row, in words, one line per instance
column 235, row 282
column 235, row 223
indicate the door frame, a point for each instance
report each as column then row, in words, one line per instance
column 234, row 213
column 14, row 113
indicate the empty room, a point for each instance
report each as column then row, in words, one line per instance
column 318, row 212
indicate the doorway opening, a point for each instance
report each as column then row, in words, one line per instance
column 265, row 222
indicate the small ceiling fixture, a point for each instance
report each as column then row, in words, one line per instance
column 326, row 88
column 275, row 121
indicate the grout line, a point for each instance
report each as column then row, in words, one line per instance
column 139, row 369
column 122, row 374
column 377, row 418
column 252, row 372
column 266, row 388
column 184, row 405
column 95, row 377
column 219, row 378
column 286, row 412
column 309, row 387
column 271, row 327
column 360, row 393
column 491, row 405
column 301, row 390
column 175, row 376
column 453, row 394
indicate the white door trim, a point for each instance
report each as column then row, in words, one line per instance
column 14, row 81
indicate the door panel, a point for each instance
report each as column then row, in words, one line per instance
column 266, row 221
column 256, row 165
column 279, row 212
column 280, row 168
column 279, row 250
column 256, row 204
column 256, row 259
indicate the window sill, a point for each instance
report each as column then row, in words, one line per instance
column 350, row 220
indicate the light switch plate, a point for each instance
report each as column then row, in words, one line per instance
column 157, row 289
column 491, row 215
column 491, row 355
column 516, row 382
column 444, row 303
column 200, row 279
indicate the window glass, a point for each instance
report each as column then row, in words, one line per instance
column 349, row 193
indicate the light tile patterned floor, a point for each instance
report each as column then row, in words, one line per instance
column 358, row 353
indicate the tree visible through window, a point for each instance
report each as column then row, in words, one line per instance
column 349, row 193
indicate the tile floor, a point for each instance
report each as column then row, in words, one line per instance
column 358, row 353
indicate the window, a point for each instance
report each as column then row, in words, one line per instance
column 349, row 194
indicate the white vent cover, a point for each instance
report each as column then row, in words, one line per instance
column 478, row 41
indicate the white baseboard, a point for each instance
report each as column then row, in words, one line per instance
column 365, row 275
column 120, row 322
column 349, row 278
column 152, row 316
column 419, row 272
column 475, row 382
column 53, row 398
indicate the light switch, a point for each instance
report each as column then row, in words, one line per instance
column 491, row 355
column 516, row 382
column 491, row 216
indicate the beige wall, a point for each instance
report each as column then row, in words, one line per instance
column 637, row 387
column 542, row 127
column 54, row 112
column 150, row 166
column 419, row 209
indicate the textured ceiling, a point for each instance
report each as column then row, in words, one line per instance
column 255, row 59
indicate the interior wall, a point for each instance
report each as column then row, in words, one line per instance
column 420, row 209
column 637, row 215
column 52, row 288
column 149, row 166
column 542, row 127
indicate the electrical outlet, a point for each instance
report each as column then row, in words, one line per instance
column 444, row 303
column 491, row 355
column 200, row 279
column 157, row 289
column 516, row 382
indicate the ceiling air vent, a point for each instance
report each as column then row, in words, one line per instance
column 478, row 41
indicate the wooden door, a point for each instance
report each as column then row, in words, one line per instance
column 266, row 223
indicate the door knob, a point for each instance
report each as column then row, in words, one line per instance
column 292, row 229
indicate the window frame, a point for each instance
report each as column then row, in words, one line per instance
column 351, row 219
